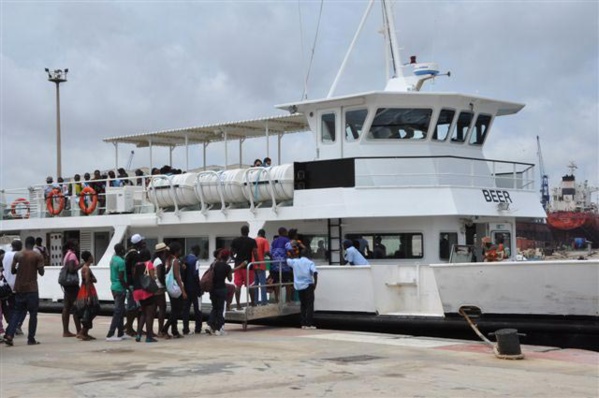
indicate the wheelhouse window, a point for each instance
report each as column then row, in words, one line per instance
column 446, row 241
column 462, row 127
column 389, row 246
column 327, row 127
column 396, row 123
column 443, row 126
column 479, row 132
column 354, row 122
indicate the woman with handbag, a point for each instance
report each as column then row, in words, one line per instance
column 177, row 296
column 72, row 266
column 87, row 303
column 144, row 287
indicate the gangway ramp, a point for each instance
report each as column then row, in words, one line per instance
column 272, row 310
column 249, row 311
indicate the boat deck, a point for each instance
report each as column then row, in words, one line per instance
column 270, row 361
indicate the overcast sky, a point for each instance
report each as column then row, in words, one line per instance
column 141, row 66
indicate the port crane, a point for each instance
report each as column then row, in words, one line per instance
column 131, row 160
column 544, row 177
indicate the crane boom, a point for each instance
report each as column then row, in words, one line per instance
column 130, row 160
column 544, row 177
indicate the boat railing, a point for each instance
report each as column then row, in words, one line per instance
column 436, row 171
column 252, row 187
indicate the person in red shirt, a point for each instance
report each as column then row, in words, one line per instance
column 263, row 250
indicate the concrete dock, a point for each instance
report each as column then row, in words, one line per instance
column 268, row 361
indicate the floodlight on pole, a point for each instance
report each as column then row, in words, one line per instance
column 57, row 76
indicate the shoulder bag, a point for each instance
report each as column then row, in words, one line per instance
column 148, row 283
column 68, row 279
column 172, row 287
column 207, row 280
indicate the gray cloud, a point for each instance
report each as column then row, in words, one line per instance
column 145, row 66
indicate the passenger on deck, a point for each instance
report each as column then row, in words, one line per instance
column 124, row 177
column 363, row 246
column 244, row 249
column 139, row 174
column 87, row 180
column 100, row 187
column 266, row 162
column 379, row 249
column 321, row 251
column 77, row 185
column 352, row 255
column 50, row 185
column 113, row 181
column 257, row 163
column 305, row 277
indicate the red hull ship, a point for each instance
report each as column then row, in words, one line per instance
column 572, row 215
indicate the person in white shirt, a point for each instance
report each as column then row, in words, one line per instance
column 8, row 305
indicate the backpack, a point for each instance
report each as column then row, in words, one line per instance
column 207, row 281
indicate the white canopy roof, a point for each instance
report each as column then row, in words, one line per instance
column 274, row 125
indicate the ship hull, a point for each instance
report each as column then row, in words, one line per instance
column 567, row 226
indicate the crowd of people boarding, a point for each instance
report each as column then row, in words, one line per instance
column 140, row 281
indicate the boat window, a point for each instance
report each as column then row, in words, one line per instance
column 186, row 245
column 202, row 242
column 224, row 241
column 317, row 245
column 481, row 126
column 462, row 126
column 443, row 124
column 395, row 123
column 354, row 122
column 387, row 246
column 446, row 241
column 327, row 127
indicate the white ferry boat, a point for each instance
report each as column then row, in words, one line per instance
column 400, row 168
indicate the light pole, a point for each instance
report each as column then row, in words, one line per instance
column 57, row 76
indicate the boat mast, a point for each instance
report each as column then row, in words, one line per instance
column 349, row 50
column 389, row 26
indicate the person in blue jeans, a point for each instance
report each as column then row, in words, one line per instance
column 30, row 264
column 117, row 286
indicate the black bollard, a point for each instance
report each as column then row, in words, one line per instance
column 508, row 342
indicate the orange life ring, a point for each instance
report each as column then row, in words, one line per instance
column 56, row 193
column 13, row 208
column 88, row 209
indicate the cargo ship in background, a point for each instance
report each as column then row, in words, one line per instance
column 572, row 216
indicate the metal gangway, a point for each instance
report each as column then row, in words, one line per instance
column 250, row 310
